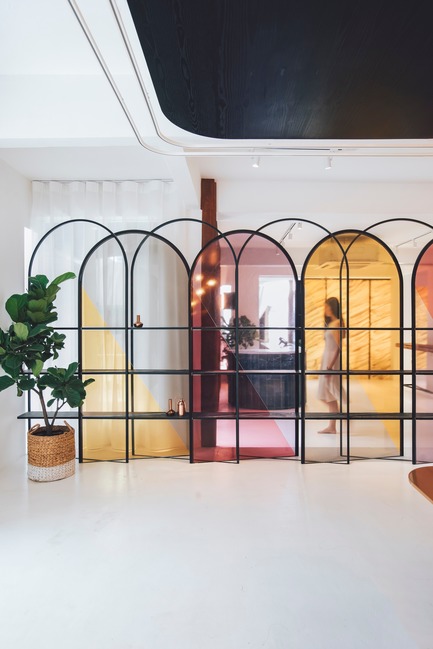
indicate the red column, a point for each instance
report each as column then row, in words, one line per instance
column 210, row 314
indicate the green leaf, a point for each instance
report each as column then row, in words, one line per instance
column 58, row 372
column 39, row 317
column 12, row 361
column 52, row 291
column 14, row 306
column 63, row 278
column 35, row 348
column 26, row 384
column 37, row 366
column 73, row 398
column 21, row 331
column 2, row 351
column 50, row 402
column 6, row 382
column 39, row 329
column 88, row 382
column 40, row 281
column 37, row 305
column 71, row 370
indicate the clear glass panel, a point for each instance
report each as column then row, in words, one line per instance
column 160, row 349
column 151, row 392
column 329, row 447
column 103, row 350
column 374, row 438
column 103, row 289
column 62, row 251
column 160, row 290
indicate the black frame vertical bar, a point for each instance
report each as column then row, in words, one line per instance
column 191, row 367
column 302, row 361
column 414, row 364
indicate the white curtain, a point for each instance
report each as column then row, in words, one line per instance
column 160, row 290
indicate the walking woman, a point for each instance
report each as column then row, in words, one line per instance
column 330, row 390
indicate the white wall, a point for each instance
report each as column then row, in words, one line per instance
column 15, row 202
column 333, row 204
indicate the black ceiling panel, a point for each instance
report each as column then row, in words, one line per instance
column 291, row 68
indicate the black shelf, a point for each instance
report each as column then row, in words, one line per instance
column 276, row 414
column 132, row 372
column 346, row 373
column 35, row 414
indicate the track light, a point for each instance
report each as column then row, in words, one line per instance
column 300, row 225
column 256, row 162
column 329, row 163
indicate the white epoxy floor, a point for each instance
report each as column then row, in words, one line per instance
column 160, row 554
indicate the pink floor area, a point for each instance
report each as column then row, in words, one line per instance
column 257, row 439
column 261, row 438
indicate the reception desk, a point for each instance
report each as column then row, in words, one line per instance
column 271, row 384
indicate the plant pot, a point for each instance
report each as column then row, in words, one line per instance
column 51, row 457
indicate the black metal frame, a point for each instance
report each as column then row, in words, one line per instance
column 300, row 415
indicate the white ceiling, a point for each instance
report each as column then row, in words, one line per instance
column 60, row 119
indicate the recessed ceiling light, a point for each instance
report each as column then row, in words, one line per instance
column 256, row 162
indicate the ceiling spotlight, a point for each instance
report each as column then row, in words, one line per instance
column 290, row 235
column 256, row 162
column 415, row 243
column 299, row 225
column 329, row 163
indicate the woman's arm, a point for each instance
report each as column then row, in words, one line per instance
column 337, row 337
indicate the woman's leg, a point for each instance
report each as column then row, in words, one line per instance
column 332, row 426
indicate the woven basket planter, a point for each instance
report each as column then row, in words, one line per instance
column 51, row 457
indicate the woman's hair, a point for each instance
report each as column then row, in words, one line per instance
column 334, row 305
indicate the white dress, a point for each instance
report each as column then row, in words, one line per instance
column 329, row 384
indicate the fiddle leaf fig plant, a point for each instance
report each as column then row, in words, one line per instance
column 30, row 341
column 247, row 333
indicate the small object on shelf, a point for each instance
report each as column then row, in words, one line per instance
column 181, row 408
column 170, row 412
column 138, row 322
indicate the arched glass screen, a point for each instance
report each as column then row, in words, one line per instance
column 244, row 380
column 135, row 346
column 423, row 354
column 159, row 349
column 103, row 355
column 352, row 354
